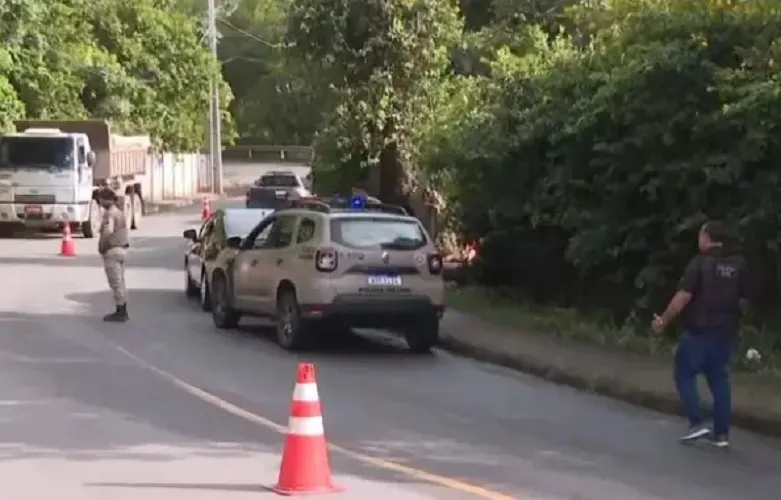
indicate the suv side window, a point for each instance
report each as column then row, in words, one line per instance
column 281, row 235
column 261, row 240
column 306, row 230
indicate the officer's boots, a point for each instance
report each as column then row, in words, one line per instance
column 118, row 316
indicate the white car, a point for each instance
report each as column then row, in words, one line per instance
column 285, row 182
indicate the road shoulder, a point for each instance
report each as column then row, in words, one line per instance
column 638, row 379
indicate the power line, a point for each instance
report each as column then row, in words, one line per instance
column 250, row 35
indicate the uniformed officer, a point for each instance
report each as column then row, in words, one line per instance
column 113, row 245
column 712, row 296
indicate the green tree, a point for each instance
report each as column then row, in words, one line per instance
column 141, row 65
column 380, row 61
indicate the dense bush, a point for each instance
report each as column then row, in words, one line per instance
column 592, row 165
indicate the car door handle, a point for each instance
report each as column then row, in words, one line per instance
column 280, row 261
column 254, row 262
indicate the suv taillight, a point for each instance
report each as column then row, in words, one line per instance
column 434, row 263
column 326, row 260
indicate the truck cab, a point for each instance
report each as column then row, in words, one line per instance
column 45, row 178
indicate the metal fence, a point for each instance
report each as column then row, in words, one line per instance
column 258, row 153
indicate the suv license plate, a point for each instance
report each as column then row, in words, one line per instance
column 385, row 280
column 33, row 209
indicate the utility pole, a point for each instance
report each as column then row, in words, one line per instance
column 215, row 133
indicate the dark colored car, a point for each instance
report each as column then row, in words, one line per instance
column 268, row 198
column 206, row 243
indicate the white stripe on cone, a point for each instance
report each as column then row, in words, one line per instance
column 305, row 392
column 305, row 426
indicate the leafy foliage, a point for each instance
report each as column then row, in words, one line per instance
column 583, row 141
column 381, row 61
column 599, row 164
column 142, row 65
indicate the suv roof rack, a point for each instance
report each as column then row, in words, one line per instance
column 341, row 204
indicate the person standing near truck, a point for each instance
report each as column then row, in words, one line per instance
column 112, row 246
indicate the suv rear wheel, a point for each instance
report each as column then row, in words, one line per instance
column 423, row 334
column 293, row 331
column 223, row 313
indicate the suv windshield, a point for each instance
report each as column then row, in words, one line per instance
column 278, row 180
column 36, row 152
column 378, row 232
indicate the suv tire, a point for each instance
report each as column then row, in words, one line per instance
column 204, row 294
column 189, row 287
column 293, row 332
column 223, row 313
column 423, row 334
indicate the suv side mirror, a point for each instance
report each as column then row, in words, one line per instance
column 233, row 242
column 190, row 234
column 90, row 158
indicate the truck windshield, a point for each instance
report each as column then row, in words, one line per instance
column 36, row 152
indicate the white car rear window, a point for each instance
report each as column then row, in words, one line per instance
column 378, row 232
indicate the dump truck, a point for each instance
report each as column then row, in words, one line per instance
column 52, row 170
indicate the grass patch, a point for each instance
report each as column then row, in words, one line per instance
column 503, row 308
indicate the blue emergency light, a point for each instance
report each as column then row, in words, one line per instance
column 358, row 202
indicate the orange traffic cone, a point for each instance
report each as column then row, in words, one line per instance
column 67, row 247
column 305, row 468
column 206, row 211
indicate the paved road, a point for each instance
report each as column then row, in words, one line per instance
column 118, row 411
column 245, row 173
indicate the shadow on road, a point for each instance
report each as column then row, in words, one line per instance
column 246, row 488
column 149, row 306
column 145, row 252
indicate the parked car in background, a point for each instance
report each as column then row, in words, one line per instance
column 206, row 244
column 284, row 181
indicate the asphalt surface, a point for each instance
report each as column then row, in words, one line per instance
column 168, row 407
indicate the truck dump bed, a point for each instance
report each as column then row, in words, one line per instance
column 115, row 155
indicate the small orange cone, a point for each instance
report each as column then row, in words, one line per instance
column 206, row 211
column 67, row 247
column 305, row 468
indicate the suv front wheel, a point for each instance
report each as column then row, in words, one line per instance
column 292, row 329
column 223, row 313
column 422, row 334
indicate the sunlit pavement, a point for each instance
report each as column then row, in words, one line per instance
column 91, row 410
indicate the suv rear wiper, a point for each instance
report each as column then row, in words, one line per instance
column 401, row 244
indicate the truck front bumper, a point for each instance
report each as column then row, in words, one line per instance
column 42, row 216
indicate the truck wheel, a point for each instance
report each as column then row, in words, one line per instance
column 138, row 210
column 91, row 226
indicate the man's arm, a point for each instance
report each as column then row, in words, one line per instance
column 686, row 289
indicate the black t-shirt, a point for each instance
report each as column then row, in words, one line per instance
column 718, row 281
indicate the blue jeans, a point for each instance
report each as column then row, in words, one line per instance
column 708, row 354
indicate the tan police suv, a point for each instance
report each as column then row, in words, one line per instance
column 324, row 266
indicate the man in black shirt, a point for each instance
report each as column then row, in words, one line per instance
column 711, row 297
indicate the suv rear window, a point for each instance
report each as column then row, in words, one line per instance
column 378, row 232
column 287, row 181
column 267, row 198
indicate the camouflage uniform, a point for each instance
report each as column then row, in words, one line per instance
column 113, row 245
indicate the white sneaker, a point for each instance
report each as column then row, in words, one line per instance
column 694, row 433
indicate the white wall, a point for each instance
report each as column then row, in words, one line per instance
column 177, row 176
